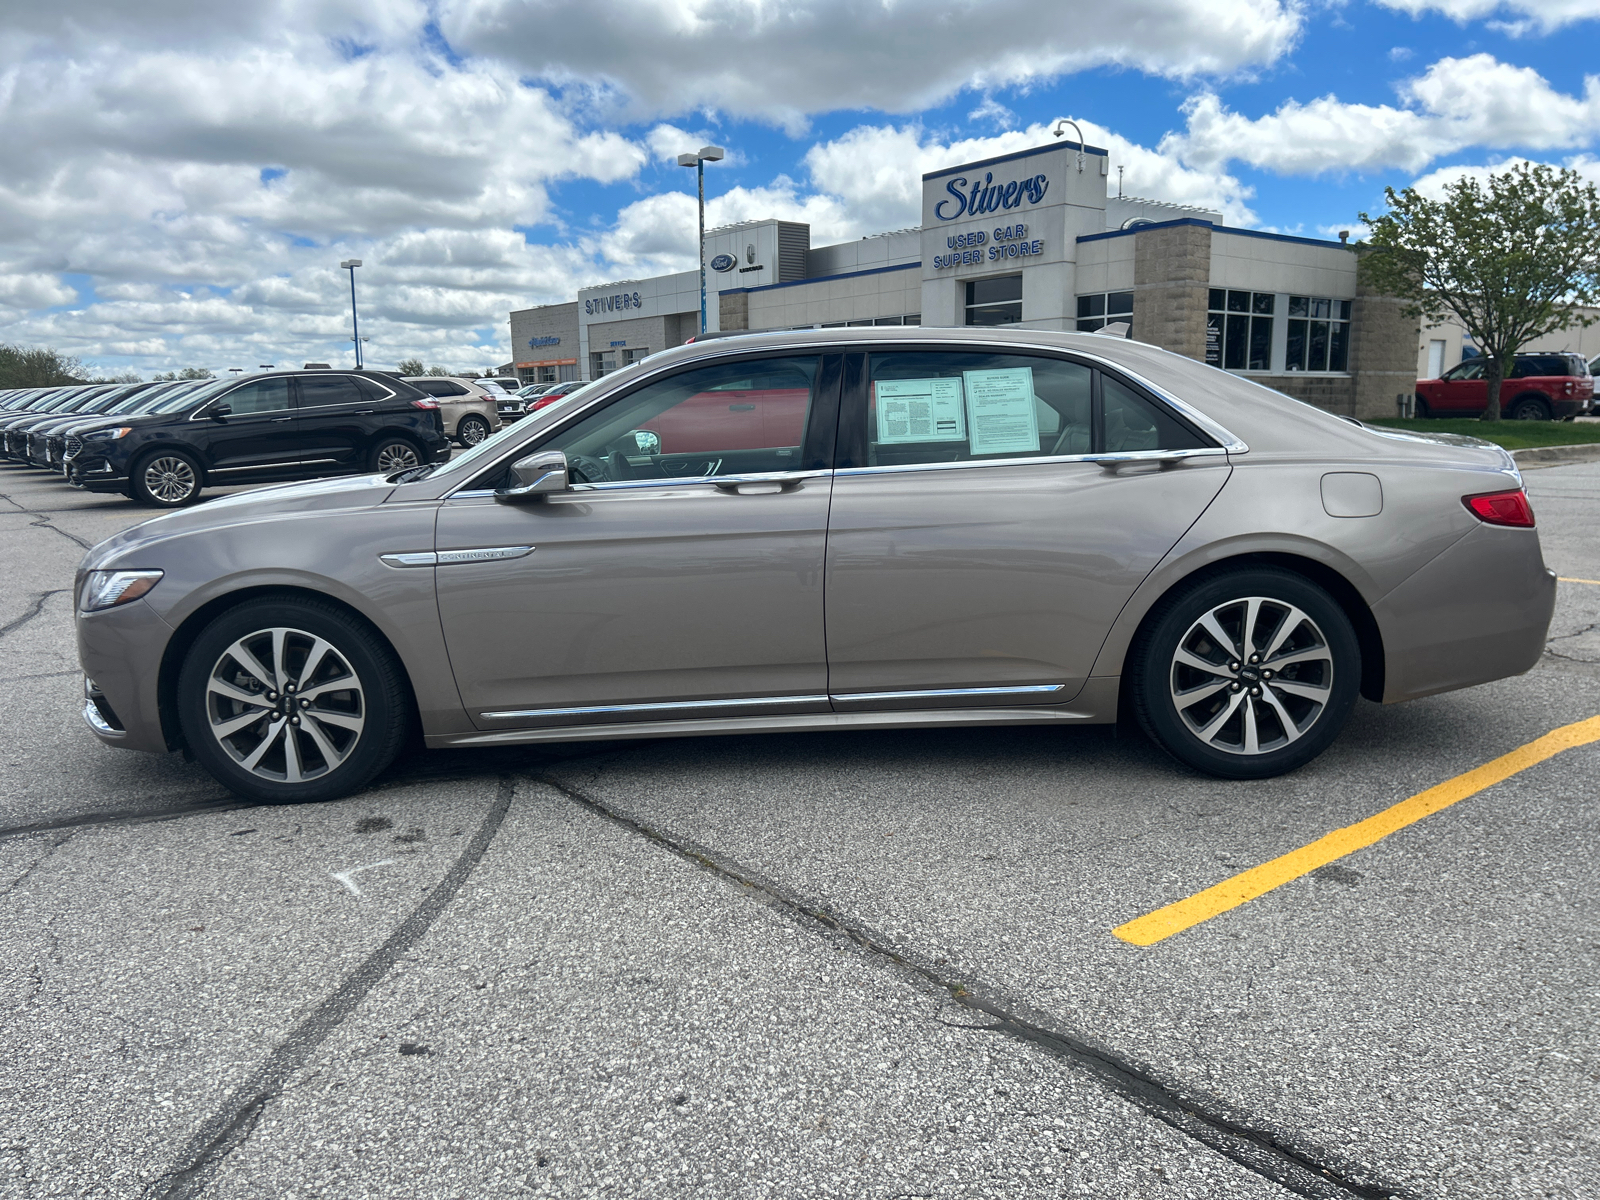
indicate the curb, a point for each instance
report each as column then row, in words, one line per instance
column 1555, row 456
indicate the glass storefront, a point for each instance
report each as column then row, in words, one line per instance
column 995, row 301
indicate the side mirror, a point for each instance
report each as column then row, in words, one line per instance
column 220, row 411
column 537, row 475
column 647, row 441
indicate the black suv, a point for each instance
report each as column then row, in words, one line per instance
column 265, row 428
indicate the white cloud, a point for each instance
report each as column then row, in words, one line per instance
column 1457, row 103
column 784, row 59
column 1540, row 16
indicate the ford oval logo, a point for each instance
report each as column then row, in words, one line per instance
column 723, row 262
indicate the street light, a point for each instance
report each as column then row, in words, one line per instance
column 698, row 162
column 350, row 264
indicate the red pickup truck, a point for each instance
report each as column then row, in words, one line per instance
column 1540, row 387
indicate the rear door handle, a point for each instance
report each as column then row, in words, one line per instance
column 741, row 408
column 280, row 420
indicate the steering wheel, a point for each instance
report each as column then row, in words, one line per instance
column 588, row 469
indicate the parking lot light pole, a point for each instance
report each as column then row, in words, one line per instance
column 350, row 264
column 698, row 161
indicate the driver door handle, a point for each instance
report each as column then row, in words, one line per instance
column 279, row 420
column 752, row 487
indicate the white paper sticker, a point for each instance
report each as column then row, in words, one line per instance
column 919, row 410
column 1000, row 411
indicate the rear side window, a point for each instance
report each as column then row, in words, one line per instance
column 319, row 391
column 951, row 406
column 261, row 395
column 372, row 389
column 440, row 387
column 1530, row 366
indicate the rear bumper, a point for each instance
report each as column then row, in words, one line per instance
column 1478, row 612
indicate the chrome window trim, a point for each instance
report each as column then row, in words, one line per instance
column 672, row 481
column 1131, row 456
column 512, row 714
column 939, row 693
column 1229, row 442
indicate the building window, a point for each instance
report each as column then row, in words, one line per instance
column 634, row 353
column 995, row 301
column 1319, row 335
column 602, row 363
column 1239, row 330
column 1104, row 308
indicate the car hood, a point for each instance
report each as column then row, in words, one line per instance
column 217, row 517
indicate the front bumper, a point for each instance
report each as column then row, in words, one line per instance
column 120, row 651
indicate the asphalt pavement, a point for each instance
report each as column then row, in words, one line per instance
column 868, row 964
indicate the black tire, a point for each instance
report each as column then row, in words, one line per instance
column 472, row 430
column 1421, row 409
column 166, row 479
column 1326, row 643
column 1529, row 408
column 390, row 454
column 331, row 760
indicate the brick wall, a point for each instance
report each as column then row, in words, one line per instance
column 1171, row 275
column 1332, row 393
column 1383, row 353
column 733, row 311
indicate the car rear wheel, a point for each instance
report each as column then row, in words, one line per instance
column 1246, row 675
column 288, row 701
column 472, row 430
column 394, row 454
column 1530, row 408
column 165, row 479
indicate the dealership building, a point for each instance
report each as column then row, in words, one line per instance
column 1027, row 240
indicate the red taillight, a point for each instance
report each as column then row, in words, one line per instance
column 1502, row 508
column 429, row 403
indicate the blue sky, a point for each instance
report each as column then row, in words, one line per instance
column 183, row 180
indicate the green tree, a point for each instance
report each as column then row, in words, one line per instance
column 24, row 367
column 1512, row 260
column 411, row 366
column 186, row 373
column 436, row 369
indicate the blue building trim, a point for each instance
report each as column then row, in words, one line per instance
column 1255, row 233
column 989, row 162
column 767, row 287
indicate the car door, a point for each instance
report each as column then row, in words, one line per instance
column 655, row 588
column 1461, row 390
column 339, row 414
column 255, row 438
column 991, row 515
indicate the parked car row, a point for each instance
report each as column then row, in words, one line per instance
column 161, row 444
column 1540, row 387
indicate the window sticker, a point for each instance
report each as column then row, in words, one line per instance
column 919, row 410
column 1000, row 411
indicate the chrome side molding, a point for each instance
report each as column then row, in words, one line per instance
column 701, row 705
column 444, row 558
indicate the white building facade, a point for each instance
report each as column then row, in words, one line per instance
column 1027, row 240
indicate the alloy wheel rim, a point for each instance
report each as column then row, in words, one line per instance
column 285, row 705
column 169, row 480
column 1251, row 676
column 397, row 457
column 473, row 432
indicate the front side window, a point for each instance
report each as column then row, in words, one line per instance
column 258, row 396
column 995, row 301
column 953, row 406
column 1471, row 369
column 1239, row 329
column 725, row 419
column 1319, row 334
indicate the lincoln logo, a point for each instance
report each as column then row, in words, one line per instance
column 987, row 196
column 723, row 262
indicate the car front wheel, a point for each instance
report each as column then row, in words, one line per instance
column 165, row 479
column 287, row 701
column 1246, row 675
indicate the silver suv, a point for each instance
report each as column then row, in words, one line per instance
column 467, row 406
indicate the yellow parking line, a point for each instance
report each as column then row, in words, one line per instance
column 1564, row 579
column 1247, row 885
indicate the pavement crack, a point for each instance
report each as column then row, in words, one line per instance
column 133, row 816
column 55, row 845
column 1302, row 1171
column 35, row 607
column 231, row 1125
column 41, row 520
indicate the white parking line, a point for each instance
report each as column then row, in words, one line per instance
column 344, row 876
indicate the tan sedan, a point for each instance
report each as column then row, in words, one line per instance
column 833, row 529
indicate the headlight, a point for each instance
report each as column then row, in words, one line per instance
column 110, row 435
column 107, row 589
